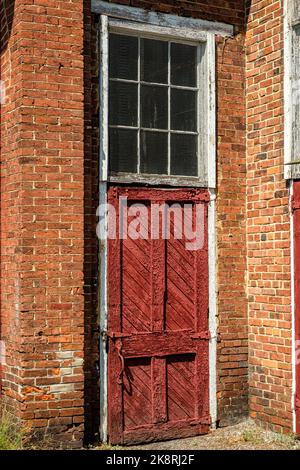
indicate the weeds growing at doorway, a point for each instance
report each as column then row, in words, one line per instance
column 11, row 436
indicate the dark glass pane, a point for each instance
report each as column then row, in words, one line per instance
column 154, row 152
column 123, row 57
column 123, row 104
column 154, row 61
column 183, row 65
column 184, row 155
column 123, row 150
column 154, row 107
column 183, row 110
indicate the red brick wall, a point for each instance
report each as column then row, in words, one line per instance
column 49, row 199
column 10, row 211
column 231, row 232
column 268, row 229
column 43, row 215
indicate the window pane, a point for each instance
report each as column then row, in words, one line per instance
column 154, row 152
column 154, row 61
column 184, row 155
column 123, row 57
column 123, row 104
column 123, row 150
column 183, row 110
column 154, row 107
column 183, row 65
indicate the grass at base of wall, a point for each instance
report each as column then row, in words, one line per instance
column 11, row 435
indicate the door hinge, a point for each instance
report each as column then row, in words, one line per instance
column 103, row 334
column 297, row 402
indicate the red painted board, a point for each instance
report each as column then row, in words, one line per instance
column 158, row 359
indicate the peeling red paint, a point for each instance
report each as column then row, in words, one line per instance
column 158, row 376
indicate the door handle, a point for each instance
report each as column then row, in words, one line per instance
column 117, row 337
column 122, row 360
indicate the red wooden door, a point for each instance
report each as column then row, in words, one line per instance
column 158, row 372
column 296, row 216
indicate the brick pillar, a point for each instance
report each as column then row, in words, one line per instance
column 231, row 231
column 42, row 212
column 268, row 221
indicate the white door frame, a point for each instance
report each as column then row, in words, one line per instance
column 180, row 27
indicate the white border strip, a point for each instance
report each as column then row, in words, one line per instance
column 288, row 174
column 211, row 110
column 287, row 92
column 212, row 230
column 160, row 19
column 212, row 269
column 103, row 93
column 294, row 382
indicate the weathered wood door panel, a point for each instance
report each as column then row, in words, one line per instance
column 158, row 372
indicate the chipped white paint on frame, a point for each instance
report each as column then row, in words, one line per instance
column 288, row 169
column 211, row 182
column 103, row 322
column 287, row 93
column 103, row 169
column 156, row 31
column 211, row 117
column 103, row 93
column 160, row 19
column 212, row 273
column 294, row 384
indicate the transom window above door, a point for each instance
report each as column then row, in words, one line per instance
column 153, row 106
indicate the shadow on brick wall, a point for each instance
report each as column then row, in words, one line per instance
column 6, row 21
column 91, row 261
column 248, row 4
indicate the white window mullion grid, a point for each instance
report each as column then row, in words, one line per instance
column 153, row 129
column 203, row 114
column 163, row 85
